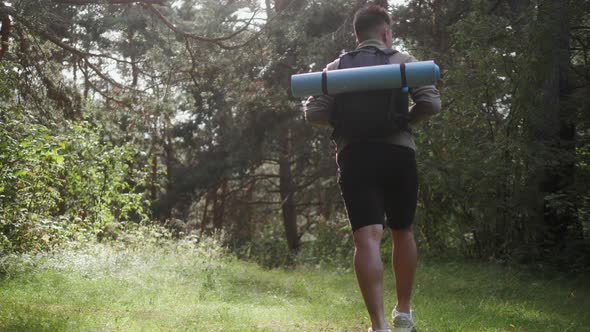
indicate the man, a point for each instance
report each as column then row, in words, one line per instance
column 377, row 178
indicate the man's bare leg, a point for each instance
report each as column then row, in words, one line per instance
column 403, row 256
column 369, row 271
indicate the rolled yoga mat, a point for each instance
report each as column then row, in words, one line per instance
column 365, row 79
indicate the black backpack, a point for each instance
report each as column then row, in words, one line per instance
column 369, row 115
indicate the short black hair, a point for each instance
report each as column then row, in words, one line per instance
column 368, row 19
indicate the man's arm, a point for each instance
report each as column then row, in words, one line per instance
column 427, row 99
column 318, row 109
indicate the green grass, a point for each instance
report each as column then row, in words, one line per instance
column 198, row 288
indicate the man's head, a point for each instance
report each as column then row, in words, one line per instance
column 372, row 22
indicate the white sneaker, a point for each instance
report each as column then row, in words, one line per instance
column 371, row 330
column 402, row 321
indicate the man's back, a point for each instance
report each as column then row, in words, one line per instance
column 369, row 115
column 318, row 110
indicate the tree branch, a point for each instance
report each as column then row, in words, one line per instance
column 112, row 2
column 217, row 41
column 79, row 53
column 103, row 94
column 56, row 93
column 495, row 6
column 193, row 64
column 54, row 39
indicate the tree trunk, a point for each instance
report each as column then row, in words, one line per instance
column 286, row 183
column 154, row 176
column 518, row 6
column 168, row 146
column 5, row 30
column 86, row 83
column 324, row 207
column 245, row 222
column 286, row 189
column 439, row 31
column 132, row 58
column 205, row 219
column 219, row 209
column 551, row 133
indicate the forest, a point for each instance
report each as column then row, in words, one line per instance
column 175, row 118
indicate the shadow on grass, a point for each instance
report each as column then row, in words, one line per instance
column 35, row 321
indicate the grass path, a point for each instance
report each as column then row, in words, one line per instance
column 196, row 288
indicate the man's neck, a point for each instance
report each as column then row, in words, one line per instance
column 371, row 42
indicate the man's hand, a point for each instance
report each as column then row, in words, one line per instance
column 424, row 110
column 318, row 110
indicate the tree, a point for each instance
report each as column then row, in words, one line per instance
column 513, row 100
column 551, row 132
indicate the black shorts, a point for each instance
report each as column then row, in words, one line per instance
column 378, row 180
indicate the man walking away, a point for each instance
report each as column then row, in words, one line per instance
column 377, row 171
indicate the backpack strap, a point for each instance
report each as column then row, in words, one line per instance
column 325, row 81
column 402, row 69
column 367, row 49
column 388, row 51
column 400, row 101
column 372, row 49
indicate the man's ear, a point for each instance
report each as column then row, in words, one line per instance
column 383, row 35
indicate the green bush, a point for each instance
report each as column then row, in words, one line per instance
column 268, row 248
column 327, row 244
column 60, row 183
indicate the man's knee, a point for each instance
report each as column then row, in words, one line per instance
column 368, row 236
column 407, row 232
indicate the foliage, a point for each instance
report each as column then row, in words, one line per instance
column 61, row 184
column 327, row 244
column 496, row 164
column 181, row 111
